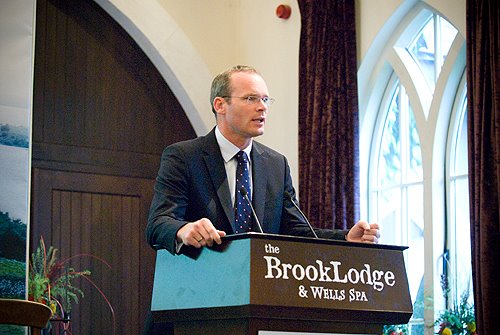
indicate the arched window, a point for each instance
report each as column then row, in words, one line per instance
column 416, row 183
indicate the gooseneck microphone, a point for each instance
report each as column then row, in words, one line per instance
column 244, row 193
column 289, row 197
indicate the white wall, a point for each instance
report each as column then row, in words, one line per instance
column 190, row 41
column 229, row 32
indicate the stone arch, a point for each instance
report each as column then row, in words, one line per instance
column 172, row 53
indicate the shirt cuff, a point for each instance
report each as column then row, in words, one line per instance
column 178, row 246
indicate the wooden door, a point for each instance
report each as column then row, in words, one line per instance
column 96, row 221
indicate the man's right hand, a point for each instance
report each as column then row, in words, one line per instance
column 199, row 234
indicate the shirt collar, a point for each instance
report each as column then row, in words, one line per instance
column 228, row 149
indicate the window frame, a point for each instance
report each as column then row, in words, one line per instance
column 458, row 116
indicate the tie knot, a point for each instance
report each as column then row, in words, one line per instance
column 242, row 157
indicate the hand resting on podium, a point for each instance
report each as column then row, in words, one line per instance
column 199, row 234
column 203, row 233
column 364, row 232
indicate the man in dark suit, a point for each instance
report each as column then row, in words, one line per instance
column 195, row 191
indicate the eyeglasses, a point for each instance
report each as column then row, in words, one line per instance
column 253, row 99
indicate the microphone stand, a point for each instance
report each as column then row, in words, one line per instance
column 244, row 193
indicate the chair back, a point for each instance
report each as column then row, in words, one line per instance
column 24, row 313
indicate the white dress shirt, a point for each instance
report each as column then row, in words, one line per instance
column 228, row 151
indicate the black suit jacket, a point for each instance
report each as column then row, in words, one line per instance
column 192, row 184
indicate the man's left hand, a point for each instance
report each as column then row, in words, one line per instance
column 364, row 232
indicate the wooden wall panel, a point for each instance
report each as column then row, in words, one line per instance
column 102, row 115
column 104, row 218
column 97, row 97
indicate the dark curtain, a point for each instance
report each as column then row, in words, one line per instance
column 483, row 85
column 328, row 113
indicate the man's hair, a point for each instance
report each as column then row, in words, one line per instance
column 221, row 85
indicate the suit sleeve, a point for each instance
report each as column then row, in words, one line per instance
column 170, row 200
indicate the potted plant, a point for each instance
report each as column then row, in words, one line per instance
column 459, row 319
column 51, row 279
column 395, row 330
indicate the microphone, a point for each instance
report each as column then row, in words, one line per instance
column 289, row 197
column 244, row 193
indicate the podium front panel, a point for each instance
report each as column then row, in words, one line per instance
column 347, row 276
column 276, row 277
column 209, row 279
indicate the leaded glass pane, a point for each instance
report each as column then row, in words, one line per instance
column 447, row 35
column 415, row 236
column 389, row 162
column 414, row 152
column 390, row 216
column 422, row 50
column 461, row 159
column 461, row 277
column 428, row 50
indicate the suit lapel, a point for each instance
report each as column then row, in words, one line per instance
column 259, row 180
column 215, row 165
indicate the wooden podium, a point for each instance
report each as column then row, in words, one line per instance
column 258, row 283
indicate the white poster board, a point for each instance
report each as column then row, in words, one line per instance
column 16, row 88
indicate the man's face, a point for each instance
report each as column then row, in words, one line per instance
column 238, row 119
